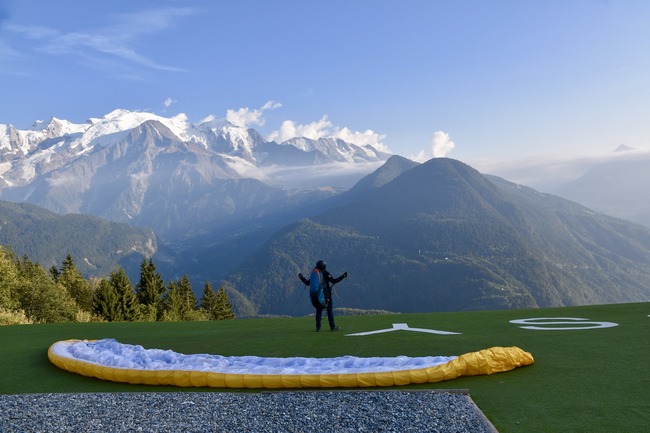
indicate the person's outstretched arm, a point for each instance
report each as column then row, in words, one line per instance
column 336, row 280
column 304, row 280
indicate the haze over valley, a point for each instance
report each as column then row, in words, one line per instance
column 221, row 203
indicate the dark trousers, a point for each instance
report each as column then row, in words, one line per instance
column 319, row 310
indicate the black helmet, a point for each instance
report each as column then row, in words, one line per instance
column 321, row 265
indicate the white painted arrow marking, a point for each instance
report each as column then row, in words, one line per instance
column 403, row 327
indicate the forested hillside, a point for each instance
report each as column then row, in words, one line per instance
column 442, row 237
column 47, row 238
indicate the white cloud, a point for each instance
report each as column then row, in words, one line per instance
column 422, row 156
column 271, row 105
column 367, row 137
column 324, row 128
column 111, row 44
column 246, row 117
column 32, row 32
column 290, row 129
column 168, row 102
column 208, row 118
column 441, row 145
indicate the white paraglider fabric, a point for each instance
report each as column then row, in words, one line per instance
column 111, row 353
column 110, row 360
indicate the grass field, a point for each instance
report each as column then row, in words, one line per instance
column 585, row 380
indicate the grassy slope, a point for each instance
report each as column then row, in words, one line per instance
column 582, row 381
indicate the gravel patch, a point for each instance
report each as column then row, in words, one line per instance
column 286, row 411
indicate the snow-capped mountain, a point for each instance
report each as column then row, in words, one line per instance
column 165, row 173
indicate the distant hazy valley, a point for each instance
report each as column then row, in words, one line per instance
column 221, row 203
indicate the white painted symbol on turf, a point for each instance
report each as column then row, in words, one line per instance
column 560, row 321
column 403, row 327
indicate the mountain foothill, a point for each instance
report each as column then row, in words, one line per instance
column 207, row 200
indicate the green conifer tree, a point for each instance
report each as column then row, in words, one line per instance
column 223, row 307
column 172, row 304
column 187, row 294
column 150, row 290
column 128, row 305
column 209, row 301
column 54, row 272
column 180, row 301
column 190, row 308
column 106, row 302
column 75, row 284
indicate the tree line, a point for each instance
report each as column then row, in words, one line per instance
column 30, row 293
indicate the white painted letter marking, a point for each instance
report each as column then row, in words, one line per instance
column 560, row 321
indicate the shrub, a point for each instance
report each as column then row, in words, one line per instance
column 14, row 317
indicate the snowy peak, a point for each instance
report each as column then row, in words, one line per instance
column 212, row 123
column 337, row 150
column 163, row 172
column 217, row 135
column 229, row 139
column 116, row 125
column 624, row 148
column 54, row 126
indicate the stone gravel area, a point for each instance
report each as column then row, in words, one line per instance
column 285, row 411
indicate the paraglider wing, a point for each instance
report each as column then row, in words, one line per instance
column 110, row 360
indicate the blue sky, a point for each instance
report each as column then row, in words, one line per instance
column 478, row 80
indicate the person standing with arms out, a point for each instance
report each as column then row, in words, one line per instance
column 320, row 290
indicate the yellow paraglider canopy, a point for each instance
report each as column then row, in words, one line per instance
column 81, row 357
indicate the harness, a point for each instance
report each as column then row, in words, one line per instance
column 316, row 286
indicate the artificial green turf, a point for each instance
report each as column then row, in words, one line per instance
column 593, row 380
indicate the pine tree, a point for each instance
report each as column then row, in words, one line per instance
column 223, row 307
column 54, row 272
column 150, row 290
column 106, row 302
column 187, row 294
column 190, row 309
column 127, row 301
column 180, row 301
column 172, row 304
column 209, row 301
column 75, row 284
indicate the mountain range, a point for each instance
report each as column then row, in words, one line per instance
column 440, row 236
column 211, row 201
column 617, row 183
column 619, row 187
column 163, row 173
